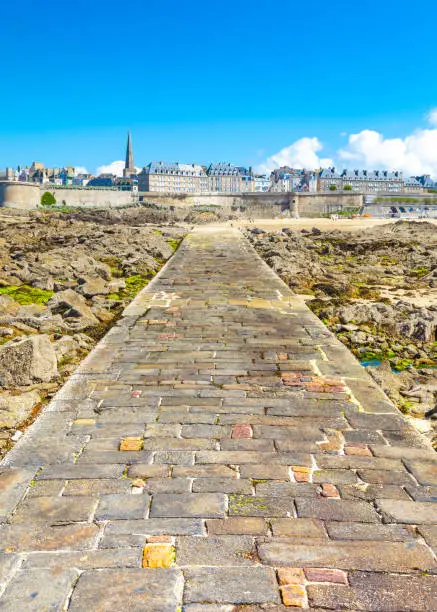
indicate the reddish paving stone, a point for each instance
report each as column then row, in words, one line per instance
column 242, row 430
column 329, row 490
column 325, row 575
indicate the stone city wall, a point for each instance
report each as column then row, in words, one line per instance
column 267, row 205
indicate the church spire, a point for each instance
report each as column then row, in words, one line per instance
column 129, row 167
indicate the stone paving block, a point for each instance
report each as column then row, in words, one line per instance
column 215, row 550
column 246, row 505
column 212, row 608
column 337, row 510
column 230, row 585
column 107, row 457
column 243, row 457
column 204, row 471
column 334, row 476
column 92, row 487
column 248, row 444
column 369, row 492
column 145, row 470
column 8, row 564
column 174, row 458
column 122, row 507
column 91, row 559
column 167, row 485
column 287, row 489
column 13, row 485
column 367, row 531
column 73, row 471
column 54, row 510
column 222, row 485
column 159, row 444
column 425, row 473
column 160, row 526
column 267, row 472
column 410, row 512
column 391, row 477
column 39, row 589
column 154, row 590
column 356, row 555
column 194, row 505
column 298, row 528
column 378, row 592
column 19, row 537
column 237, row 525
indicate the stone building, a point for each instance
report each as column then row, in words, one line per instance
column 227, row 178
column 173, row 178
column 361, row 181
column 287, row 179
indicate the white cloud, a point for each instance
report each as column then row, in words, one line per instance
column 80, row 170
column 432, row 117
column 300, row 154
column 115, row 167
column 415, row 154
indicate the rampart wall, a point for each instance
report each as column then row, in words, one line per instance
column 256, row 205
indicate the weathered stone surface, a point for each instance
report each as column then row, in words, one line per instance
column 154, row 590
column 356, row 555
column 13, row 485
column 122, row 507
column 53, row 510
column 424, row 472
column 38, row 590
column 32, row 360
column 190, row 380
column 412, row 512
column 21, row 537
column 229, row 550
column 337, row 510
column 237, row 525
column 206, row 505
column 378, row 592
column 14, row 409
column 231, row 585
column 298, row 528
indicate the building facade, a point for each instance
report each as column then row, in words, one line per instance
column 287, row 179
column 361, row 181
column 227, row 178
column 173, row 178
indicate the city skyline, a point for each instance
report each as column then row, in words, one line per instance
column 289, row 85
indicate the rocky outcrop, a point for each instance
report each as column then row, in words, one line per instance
column 64, row 279
column 73, row 308
column 32, row 360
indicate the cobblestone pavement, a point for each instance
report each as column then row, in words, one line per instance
column 219, row 451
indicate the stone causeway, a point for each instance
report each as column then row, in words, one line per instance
column 220, row 450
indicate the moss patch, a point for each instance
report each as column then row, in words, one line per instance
column 23, row 294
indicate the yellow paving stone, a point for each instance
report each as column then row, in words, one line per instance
column 159, row 555
column 134, row 443
column 79, row 422
column 293, row 595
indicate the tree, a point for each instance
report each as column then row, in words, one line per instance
column 347, row 187
column 48, row 199
column 332, row 188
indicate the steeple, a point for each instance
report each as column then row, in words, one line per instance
column 129, row 167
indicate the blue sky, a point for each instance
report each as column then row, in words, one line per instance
column 199, row 81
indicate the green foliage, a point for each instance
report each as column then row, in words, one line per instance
column 332, row 188
column 24, row 294
column 48, row 199
column 347, row 188
column 174, row 243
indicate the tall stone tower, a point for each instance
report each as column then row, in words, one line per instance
column 129, row 167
